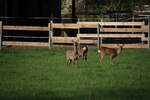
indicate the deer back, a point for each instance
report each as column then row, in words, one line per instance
column 108, row 51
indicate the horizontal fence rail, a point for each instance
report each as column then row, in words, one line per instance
column 18, row 43
column 94, row 24
column 144, row 29
column 25, row 28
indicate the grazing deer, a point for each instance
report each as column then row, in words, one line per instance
column 72, row 54
column 82, row 52
column 105, row 51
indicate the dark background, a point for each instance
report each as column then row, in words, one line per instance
column 28, row 13
column 30, row 8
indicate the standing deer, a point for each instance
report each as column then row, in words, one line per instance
column 82, row 52
column 72, row 54
column 105, row 51
column 77, row 51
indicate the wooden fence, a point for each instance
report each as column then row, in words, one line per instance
column 105, row 30
column 25, row 28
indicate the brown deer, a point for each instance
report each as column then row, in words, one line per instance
column 105, row 51
column 72, row 54
column 82, row 52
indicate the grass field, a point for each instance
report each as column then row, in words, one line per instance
column 41, row 74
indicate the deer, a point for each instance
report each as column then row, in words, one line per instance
column 71, row 57
column 82, row 52
column 112, row 52
column 77, row 52
column 72, row 54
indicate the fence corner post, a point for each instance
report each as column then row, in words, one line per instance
column 98, row 36
column 149, row 32
column 50, row 34
column 1, row 35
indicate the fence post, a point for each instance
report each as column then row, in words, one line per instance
column 101, row 27
column 98, row 34
column 79, row 26
column 50, row 34
column 0, row 35
column 132, row 25
column 149, row 32
column 78, row 30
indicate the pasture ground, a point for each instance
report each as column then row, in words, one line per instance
column 41, row 74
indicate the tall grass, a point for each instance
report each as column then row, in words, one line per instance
column 42, row 74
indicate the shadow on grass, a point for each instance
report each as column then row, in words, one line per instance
column 91, row 94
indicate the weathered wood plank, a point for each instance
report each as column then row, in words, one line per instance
column 17, row 43
column 113, row 23
column 112, row 35
column 25, row 28
column 63, row 39
column 95, row 41
column 43, row 44
column 65, row 26
column 126, row 45
column 88, row 41
column 144, row 39
column 124, row 29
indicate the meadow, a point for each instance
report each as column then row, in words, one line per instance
column 42, row 74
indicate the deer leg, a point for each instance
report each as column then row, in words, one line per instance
column 101, row 58
column 67, row 61
column 85, row 57
column 113, row 57
column 70, row 61
column 73, row 62
column 76, row 61
column 82, row 57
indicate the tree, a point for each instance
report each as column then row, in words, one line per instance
column 105, row 5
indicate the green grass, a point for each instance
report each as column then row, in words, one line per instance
column 41, row 74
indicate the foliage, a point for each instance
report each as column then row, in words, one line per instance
column 66, row 6
column 105, row 5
